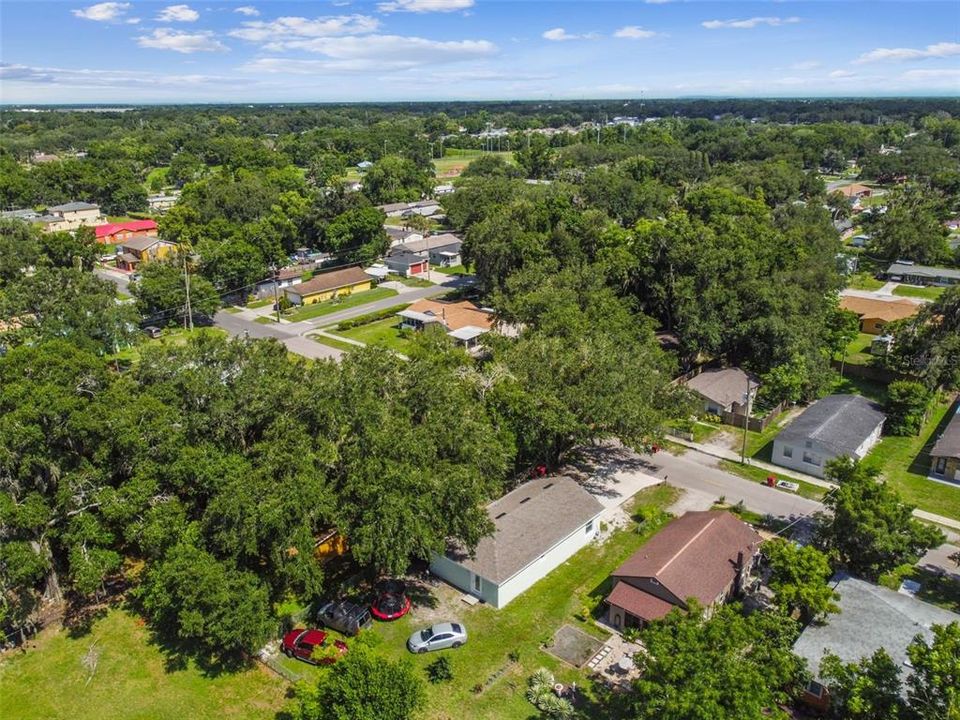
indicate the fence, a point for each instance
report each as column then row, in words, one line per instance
column 755, row 424
column 877, row 373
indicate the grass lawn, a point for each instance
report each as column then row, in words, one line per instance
column 260, row 303
column 384, row 332
column 904, row 462
column 415, row 282
column 160, row 174
column 454, row 161
column 330, row 342
column 934, row 588
column 522, row 627
column 170, row 336
column 265, row 320
column 760, row 444
column 864, row 281
column 307, row 312
column 858, row 350
column 452, row 270
column 860, row 386
column 132, row 680
column 759, row 475
column 914, row 291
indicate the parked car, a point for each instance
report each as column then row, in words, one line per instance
column 301, row 644
column 347, row 617
column 152, row 331
column 437, row 637
column 391, row 601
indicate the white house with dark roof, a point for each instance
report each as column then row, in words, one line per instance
column 537, row 527
column 832, row 427
column 724, row 389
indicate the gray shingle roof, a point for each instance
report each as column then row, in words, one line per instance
column 723, row 386
column 948, row 444
column 433, row 243
column 870, row 617
column 923, row 271
column 73, row 207
column 839, row 422
column 529, row 521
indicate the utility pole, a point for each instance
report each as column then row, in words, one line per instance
column 843, row 356
column 746, row 424
column 188, row 314
column 276, row 290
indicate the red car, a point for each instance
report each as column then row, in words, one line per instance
column 301, row 643
column 390, row 606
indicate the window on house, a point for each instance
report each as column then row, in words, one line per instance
column 787, row 451
column 941, row 467
column 589, row 528
column 811, row 459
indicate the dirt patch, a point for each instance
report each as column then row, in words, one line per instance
column 437, row 602
column 574, row 646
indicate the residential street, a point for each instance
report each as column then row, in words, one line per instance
column 240, row 327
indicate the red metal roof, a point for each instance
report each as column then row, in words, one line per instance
column 130, row 225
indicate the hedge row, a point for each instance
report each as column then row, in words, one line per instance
column 371, row 317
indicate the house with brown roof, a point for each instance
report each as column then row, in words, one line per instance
column 463, row 321
column 132, row 253
column 537, row 527
column 706, row 556
column 328, row 285
column 855, row 191
column 945, row 455
column 876, row 314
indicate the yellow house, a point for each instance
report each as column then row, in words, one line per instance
column 325, row 286
column 875, row 315
column 329, row 544
column 138, row 250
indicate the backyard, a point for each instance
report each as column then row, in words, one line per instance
column 858, row 350
column 133, row 679
column 905, row 461
column 520, row 629
column 915, row 291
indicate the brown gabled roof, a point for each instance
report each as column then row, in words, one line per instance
column 723, row 386
column 455, row 315
column 886, row 310
column 695, row 555
column 637, row 602
column 853, row 190
column 330, row 281
column 141, row 243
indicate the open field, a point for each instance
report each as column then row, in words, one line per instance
column 307, row 312
column 454, row 161
column 133, row 679
column 905, row 461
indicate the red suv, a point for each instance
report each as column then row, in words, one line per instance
column 301, row 643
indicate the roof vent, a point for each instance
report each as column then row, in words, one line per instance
column 500, row 516
column 548, row 486
column 526, row 499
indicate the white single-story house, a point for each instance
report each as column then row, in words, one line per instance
column 832, row 427
column 537, row 527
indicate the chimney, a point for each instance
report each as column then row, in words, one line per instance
column 738, row 580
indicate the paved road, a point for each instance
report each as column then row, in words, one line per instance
column 239, row 327
column 121, row 280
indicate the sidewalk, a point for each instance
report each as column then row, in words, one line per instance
column 725, row 454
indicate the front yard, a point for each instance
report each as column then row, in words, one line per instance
column 905, row 461
column 308, row 312
column 384, row 332
column 915, row 291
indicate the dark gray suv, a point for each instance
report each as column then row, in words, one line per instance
column 344, row 616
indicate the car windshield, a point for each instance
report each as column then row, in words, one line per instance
column 426, row 634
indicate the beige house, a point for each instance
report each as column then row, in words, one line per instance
column 71, row 216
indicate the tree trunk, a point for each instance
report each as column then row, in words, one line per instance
column 51, row 590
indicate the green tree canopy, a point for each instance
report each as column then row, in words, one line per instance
column 799, row 578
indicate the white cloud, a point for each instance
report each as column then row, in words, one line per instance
column 634, row 32
column 248, row 10
column 285, row 28
column 111, row 12
column 949, row 74
column 561, row 35
column 106, row 78
column 181, row 42
column 841, row 74
column 805, row 65
column 378, row 52
column 749, row 23
column 937, row 50
column 178, row 13
column 424, row 6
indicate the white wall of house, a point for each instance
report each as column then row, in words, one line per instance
column 499, row 595
column 548, row 561
column 867, row 445
column 797, row 456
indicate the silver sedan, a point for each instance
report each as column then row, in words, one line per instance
column 437, row 637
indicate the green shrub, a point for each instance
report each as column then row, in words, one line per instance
column 370, row 317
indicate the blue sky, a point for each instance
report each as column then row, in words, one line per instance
column 341, row 50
